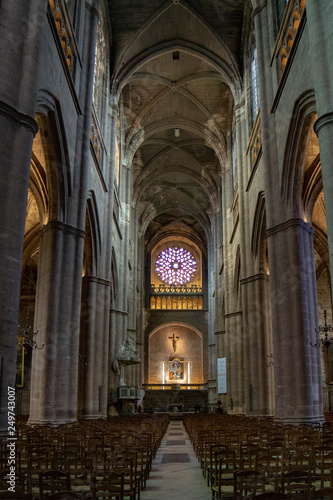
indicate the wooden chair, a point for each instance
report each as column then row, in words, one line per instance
column 126, row 465
column 323, row 466
column 222, row 477
column 211, row 460
column 11, row 495
column 80, row 470
column 321, row 494
column 20, row 480
column 296, row 483
column 108, row 485
column 53, row 481
column 248, row 483
column 65, row 495
column 270, row 495
column 268, row 464
column 36, row 465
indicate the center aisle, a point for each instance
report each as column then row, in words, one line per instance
column 176, row 472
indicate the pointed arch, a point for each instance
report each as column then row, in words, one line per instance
column 303, row 117
column 114, row 278
column 259, row 240
column 53, row 142
column 93, row 233
column 237, row 275
column 227, row 73
column 213, row 49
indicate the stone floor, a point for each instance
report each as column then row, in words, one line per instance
column 176, row 472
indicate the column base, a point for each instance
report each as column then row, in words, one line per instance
column 51, row 422
column 98, row 416
column 300, row 420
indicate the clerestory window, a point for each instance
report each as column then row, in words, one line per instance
column 255, row 84
column 100, row 66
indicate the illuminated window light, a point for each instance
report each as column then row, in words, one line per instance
column 175, row 266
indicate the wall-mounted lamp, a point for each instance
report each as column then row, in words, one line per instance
column 326, row 342
column 176, row 132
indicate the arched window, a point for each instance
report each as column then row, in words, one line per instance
column 100, row 66
column 118, row 155
column 70, row 4
column 234, row 156
column 175, row 266
column 255, row 84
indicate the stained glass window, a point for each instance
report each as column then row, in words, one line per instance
column 70, row 6
column 175, row 266
column 234, row 156
column 255, row 84
column 100, row 64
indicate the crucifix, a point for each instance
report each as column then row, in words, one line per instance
column 174, row 341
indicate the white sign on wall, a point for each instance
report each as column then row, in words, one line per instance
column 222, row 375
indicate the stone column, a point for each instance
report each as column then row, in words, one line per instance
column 298, row 393
column 232, row 340
column 298, row 390
column 95, row 302
column 94, row 337
column 118, row 313
column 54, row 379
column 319, row 15
column 21, row 32
column 211, row 292
column 259, row 375
column 235, row 362
column 257, row 345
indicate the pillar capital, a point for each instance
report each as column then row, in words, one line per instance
column 95, row 279
column 20, row 118
column 258, row 6
column 288, row 224
column 323, row 121
column 55, row 224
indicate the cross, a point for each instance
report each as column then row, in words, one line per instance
column 174, row 341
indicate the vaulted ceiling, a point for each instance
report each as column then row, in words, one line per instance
column 176, row 68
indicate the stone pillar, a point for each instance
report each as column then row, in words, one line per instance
column 319, row 15
column 94, row 338
column 298, row 391
column 255, row 289
column 259, row 375
column 118, row 313
column 235, row 362
column 211, row 292
column 232, row 340
column 20, row 38
column 54, row 379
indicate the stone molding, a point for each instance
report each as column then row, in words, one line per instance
column 287, row 225
column 20, row 118
column 259, row 8
column 99, row 281
column 92, row 9
column 255, row 277
column 323, row 121
column 54, row 224
column 233, row 314
column 239, row 105
column 118, row 311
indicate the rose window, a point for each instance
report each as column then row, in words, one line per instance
column 175, row 266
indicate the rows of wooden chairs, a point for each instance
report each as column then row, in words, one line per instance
column 108, row 458
column 242, row 457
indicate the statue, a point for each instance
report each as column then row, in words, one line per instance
column 174, row 341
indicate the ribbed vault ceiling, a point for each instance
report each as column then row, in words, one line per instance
column 176, row 68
